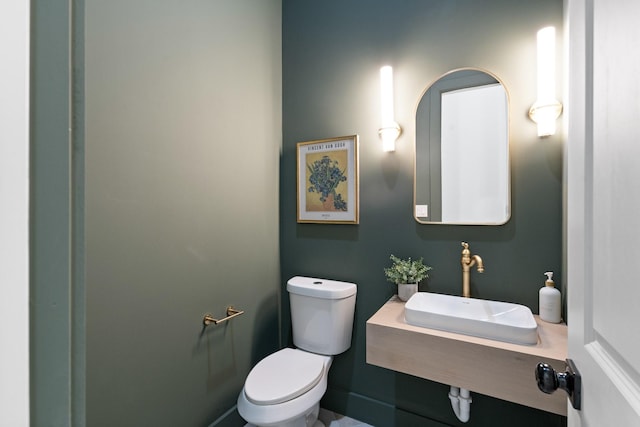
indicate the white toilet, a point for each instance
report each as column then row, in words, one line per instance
column 284, row 389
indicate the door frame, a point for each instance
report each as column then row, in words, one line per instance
column 14, row 222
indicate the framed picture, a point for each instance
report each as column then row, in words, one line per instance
column 328, row 181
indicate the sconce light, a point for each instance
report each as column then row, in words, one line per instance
column 390, row 130
column 546, row 109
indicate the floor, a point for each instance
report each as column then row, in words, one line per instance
column 331, row 419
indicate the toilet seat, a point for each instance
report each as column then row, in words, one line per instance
column 283, row 376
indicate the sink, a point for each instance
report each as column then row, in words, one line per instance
column 501, row 321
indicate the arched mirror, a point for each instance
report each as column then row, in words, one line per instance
column 462, row 151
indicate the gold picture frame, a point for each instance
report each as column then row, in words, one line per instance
column 328, row 181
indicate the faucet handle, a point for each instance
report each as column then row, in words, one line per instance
column 466, row 250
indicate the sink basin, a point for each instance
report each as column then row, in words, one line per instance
column 495, row 320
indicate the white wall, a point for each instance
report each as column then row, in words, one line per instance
column 14, row 220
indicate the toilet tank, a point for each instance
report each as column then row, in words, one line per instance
column 321, row 314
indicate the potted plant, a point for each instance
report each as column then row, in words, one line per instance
column 406, row 274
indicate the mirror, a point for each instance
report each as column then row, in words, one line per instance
column 462, row 151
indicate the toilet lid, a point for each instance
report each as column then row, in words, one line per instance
column 283, row 376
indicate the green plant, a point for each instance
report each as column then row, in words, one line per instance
column 406, row 271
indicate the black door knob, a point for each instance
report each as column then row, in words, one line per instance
column 549, row 380
column 570, row 381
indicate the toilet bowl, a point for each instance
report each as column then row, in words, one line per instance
column 284, row 389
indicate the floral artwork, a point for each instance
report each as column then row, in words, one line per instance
column 328, row 180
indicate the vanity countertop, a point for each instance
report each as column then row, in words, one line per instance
column 493, row 368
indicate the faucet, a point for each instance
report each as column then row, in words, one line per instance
column 467, row 262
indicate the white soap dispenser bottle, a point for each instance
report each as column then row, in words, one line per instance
column 550, row 301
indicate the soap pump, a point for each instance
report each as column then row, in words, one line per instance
column 550, row 301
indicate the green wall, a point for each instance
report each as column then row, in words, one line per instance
column 183, row 134
column 159, row 207
column 332, row 51
column 54, row 290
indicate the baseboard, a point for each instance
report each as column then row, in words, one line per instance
column 231, row 418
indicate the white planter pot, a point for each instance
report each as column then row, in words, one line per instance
column 405, row 290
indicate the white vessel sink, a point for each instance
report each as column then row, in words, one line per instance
column 495, row 320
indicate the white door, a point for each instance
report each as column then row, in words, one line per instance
column 603, row 215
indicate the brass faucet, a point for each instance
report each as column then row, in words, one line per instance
column 467, row 262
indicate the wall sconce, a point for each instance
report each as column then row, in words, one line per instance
column 390, row 130
column 546, row 109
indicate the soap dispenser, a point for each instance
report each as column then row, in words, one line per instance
column 550, row 301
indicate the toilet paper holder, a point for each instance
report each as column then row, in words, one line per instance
column 231, row 313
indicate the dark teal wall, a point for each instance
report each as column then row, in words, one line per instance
column 332, row 51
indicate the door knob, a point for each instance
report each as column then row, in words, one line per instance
column 570, row 381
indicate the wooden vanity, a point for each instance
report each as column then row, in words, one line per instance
column 501, row 370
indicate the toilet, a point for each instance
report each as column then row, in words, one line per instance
column 284, row 389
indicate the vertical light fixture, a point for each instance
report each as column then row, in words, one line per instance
column 389, row 130
column 546, row 109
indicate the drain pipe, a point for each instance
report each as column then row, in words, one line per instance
column 461, row 403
